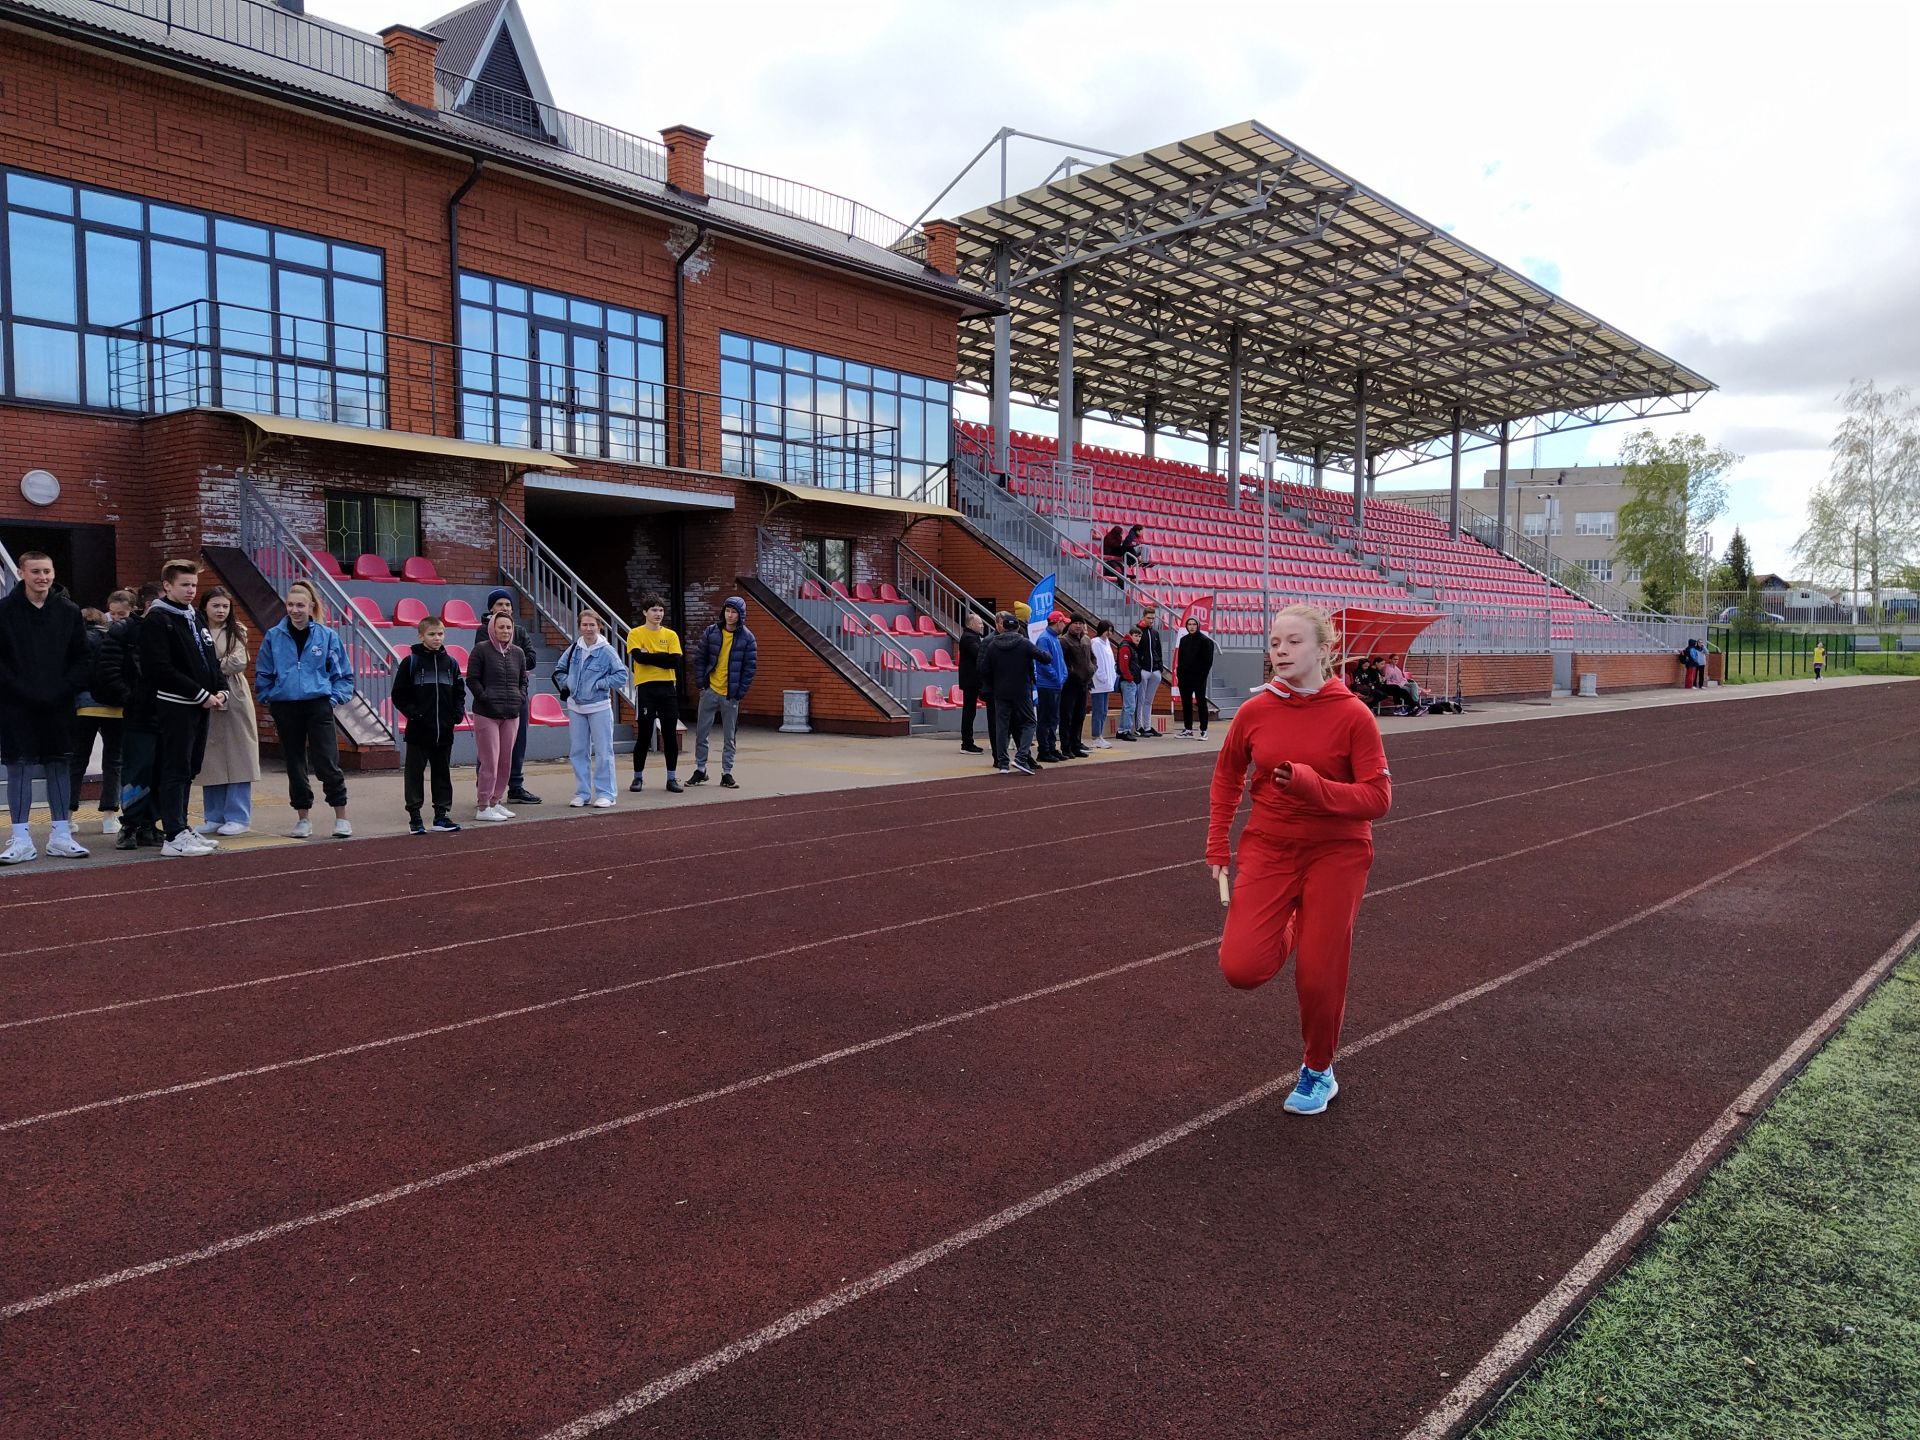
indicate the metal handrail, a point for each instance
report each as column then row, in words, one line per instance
column 788, row 575
column 556, row 593
column 1523, row 549
column 282, row 557
column 1034, row 539
column 265, row 28
column 9, row 571
column 933, row 592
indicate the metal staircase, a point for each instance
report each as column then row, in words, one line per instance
column 556, row 593
column 1045, row 544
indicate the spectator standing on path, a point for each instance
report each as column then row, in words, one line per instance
column 497, row 677
column 500, row 602
column 1193, row 663
column 1699, row 664
column 728, row 659
column 430, row 694
column 44, row 663
column 970, row 642
column 1150, row 662
column 655, row 654
column 1073, row 696
column 588, row 673
column 1105, row 677
column 139, row 738
column 177, row 659
column 1819, row 658
column 1319, row 779
column 302, row 673
column 1007, row 663
column 1126, row 671
column 232, row 765
column 99, row 712
column 1049, row 677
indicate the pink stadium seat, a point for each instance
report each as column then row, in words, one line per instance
column 372, row 567
column 409, row 612
column 889, row 595
column 851, row 626
column 957, row 695
column 459, row 654
column 863, row 592
column 891, row 661
column 329, row 565
column 840, row 589
column 811, row 591
column 546, row 709
column 901, row 625
column 932, row 699
column 943, row 660
column 879, row 622
column 459, row 616
column 369, row 609
column 927, row 627
column 466, row 721
column 419, row 570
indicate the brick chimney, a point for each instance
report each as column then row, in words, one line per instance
column 410, row 59
column 687, row 159
column 943, row 246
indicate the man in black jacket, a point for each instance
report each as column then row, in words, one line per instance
column 177, row 662
column 1007, row 662
column 43, row 665
column 500, row 602
column 1078, row 649
column 1150, row 661
column 139, row 737
column 1193, row 663
column 970, row 643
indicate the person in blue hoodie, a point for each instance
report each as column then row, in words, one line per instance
column 302, row 673
column 1049, row 678
column 725, row 663
column 588, row 673
column 430, row 693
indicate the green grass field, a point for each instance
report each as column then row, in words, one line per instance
column 1755, row 667
column 1782, row 1302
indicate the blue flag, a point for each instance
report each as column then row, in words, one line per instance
column 1039, row 606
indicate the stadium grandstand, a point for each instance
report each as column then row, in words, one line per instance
column 374, row 312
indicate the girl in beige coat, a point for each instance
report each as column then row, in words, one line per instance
column 233, row 734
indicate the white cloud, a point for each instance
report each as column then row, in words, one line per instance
column 1736, row 185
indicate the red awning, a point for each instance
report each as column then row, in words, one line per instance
column 1359, row 632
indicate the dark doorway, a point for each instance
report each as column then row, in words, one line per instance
column 83, row 558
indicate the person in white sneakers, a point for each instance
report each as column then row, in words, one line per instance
column 43, row 666
column 177, row 659
column 232, row 765
column 301, row 674
column 497, row 680
column 590, row 670
column 1106, row 675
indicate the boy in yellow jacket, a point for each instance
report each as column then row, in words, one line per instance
column 654, row 652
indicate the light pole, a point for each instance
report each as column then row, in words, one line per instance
column 1269, row 452
column 1546, row 497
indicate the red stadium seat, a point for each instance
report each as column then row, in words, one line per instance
column 401, row 649
column 863, row 592
column 957, row 695
column 927, row 627
column 932, row 699
column 546, row 709
column 889, row 595
column 410, row 612
column 811, row 591
column 891, row 661
column 943, row 660
column 419, row 571
column 879, row 622
column 329, row 565
column 902, row 625
column 840, row 589
column 369, row 610
column 372, row 567
column 851, row 626
column 460, row 654
column 459, row 615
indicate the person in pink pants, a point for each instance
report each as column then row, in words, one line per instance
column 497, row 678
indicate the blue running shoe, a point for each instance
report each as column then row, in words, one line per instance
column 1315, row 1089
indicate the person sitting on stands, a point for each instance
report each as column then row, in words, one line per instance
column 1133, row 551
column 1395, row 685
column 1111, row 549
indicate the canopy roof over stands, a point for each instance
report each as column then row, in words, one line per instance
column 858, row 499
column 1240, row 243
column 291, row 428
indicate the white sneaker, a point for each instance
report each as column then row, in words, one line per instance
column 207, row 829
column 343, row 829
column 492, row 812
column 302, row 829
column 201, row 842
column 232, row 827
column 182, row 846
column 19, row 852
column 1103, row 743
column 505, row 814
column 1186, row 734
column 110, row 824
column 67, row 849
column 605, row 802
column 579, row 802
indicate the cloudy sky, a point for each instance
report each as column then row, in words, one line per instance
column 1737, row 185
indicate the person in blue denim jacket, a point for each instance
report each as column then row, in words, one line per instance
column 587, row 675
column 302, row 673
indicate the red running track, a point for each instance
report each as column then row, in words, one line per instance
column 904, row 1114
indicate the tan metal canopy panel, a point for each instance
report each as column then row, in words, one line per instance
column 856, row 499
column 1174, row 251
column 398, row 440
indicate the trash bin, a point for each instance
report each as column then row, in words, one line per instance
column 796, row 708
column 1589, row 684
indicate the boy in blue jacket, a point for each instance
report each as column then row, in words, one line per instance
column 1049, row 678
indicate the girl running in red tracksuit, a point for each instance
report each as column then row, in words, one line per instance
column 1319, row 781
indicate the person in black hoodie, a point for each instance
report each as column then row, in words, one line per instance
column 431, row 694
column 500, row 601
column 177, row 661
column 970, row 643
column 1006, row 662
column 97, row 715
column 1193, row 663
column 139, row 737
column 43, row 666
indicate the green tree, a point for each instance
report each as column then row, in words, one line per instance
column 1738, row 562
column 1751, row 617
column 1865, row 516
column 1679, row 488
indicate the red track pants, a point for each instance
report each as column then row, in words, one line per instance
column 1304, row 894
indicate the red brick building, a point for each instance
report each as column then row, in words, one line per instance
column 382, row 295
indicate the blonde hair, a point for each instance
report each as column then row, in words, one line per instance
column 313, row 599
column 1322, row 624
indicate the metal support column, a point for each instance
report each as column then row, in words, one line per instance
column 1233, row 419
column 1000, row 414
column 1149, row 419
column 1453, row 492
column 1319, row 467
column 1213, row 443
column 1066, row 414
column 1359, row 452
column 1373, row 464
column 1501, row 513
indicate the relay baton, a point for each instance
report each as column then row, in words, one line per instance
column 1223, row 888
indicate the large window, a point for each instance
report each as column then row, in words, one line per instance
column 382, row 525
column 112, row 301
column 1533, row 526
column 812, row 419
column 1601, row 569
column 554, row 371
column 1593, row 522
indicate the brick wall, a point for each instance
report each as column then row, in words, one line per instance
column 1635, row 672
column 1488, row 677
column 787, row 663
column 963, row 558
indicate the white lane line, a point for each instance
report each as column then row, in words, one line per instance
column 578, row 997
column 605, row 1127
column 565, row 925
column 1533, row 1329
column 796, row 1320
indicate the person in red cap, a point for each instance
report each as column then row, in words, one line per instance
column 1049, row 678
column 1319, row 779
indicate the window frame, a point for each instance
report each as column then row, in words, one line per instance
column 369, row 526
column 813, row 548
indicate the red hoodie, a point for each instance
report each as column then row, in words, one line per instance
column 1340, row 783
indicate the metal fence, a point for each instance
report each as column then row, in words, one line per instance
column 9, row 572
column 261, row 27
column 845, row 624
column 557, row 594
column 933, row 592
column 1775, row 653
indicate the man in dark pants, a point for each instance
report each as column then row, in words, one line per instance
column 500, row 602
column 43, row 666
column 1073, row 695
column 970, row 643
column 1006, row 663
column 139, row 823
column 1050, row 676
column 176, row 657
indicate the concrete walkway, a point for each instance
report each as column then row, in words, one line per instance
column 770, row 763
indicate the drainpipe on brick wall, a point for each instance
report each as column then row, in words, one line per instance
column 453, row 250
column 680, row 345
